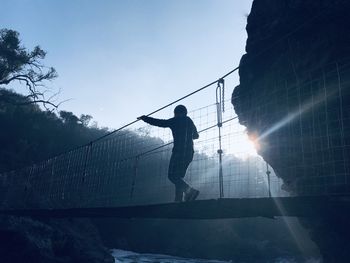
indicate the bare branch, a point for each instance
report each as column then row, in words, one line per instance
column 18, row 64
column 44, row 102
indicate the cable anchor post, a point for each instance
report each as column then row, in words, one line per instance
column 222, row 83
column 220, row 109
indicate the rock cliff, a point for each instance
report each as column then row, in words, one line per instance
column 294, row 99
column 294, row 91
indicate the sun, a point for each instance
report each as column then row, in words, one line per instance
column 243, row 148
column 241, row 145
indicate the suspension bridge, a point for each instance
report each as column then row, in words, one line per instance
column 124, row 173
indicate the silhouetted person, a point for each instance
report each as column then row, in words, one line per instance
column 184, row 132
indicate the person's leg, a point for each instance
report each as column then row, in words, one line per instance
column 186, row 160
column 179, row 194
column 190, row 194
column 177, row 169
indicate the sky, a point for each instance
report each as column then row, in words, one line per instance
column 117, row 60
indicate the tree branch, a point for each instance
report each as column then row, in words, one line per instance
column 18, row 64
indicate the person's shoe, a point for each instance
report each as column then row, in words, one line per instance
column 191, row 195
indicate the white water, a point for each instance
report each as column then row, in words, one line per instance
column 122, row 256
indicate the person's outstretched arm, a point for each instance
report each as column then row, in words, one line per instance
column 155, row 122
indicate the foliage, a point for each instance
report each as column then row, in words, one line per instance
column 29, row 134
column 18, row 65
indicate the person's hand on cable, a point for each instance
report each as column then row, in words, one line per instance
column 142, row 118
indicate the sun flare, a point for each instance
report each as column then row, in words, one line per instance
column 243, row 147
column 240, row 144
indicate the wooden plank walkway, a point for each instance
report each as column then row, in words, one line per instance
column 302, row 206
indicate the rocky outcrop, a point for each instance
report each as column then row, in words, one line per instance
column 39, row 240
column 56, row 241
column 294, row 91
column 294, row 98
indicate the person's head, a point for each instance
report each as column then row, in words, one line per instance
column 180, row 111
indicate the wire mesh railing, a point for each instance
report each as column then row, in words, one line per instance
column 130, row 166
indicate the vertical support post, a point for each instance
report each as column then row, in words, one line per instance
column 63, row 197
column 268, row 172
column 28, row 185
column 219, row 109
column 51, row 186
column 342, row 133
column 82, row 190
column 136, row 166
column 88, row 151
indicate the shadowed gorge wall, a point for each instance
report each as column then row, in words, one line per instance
column 294, row 94
column 294, row 97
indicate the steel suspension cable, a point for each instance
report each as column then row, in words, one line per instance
column 169, row 143
column 224, row 76
column 313, row 18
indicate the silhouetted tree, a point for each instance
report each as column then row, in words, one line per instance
column 17, row 64
column 68, row 117
column 29, row 134
column 85, row 119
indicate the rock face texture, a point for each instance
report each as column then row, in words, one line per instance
column 294, row 91
column 46, row 241
column 294, row 97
